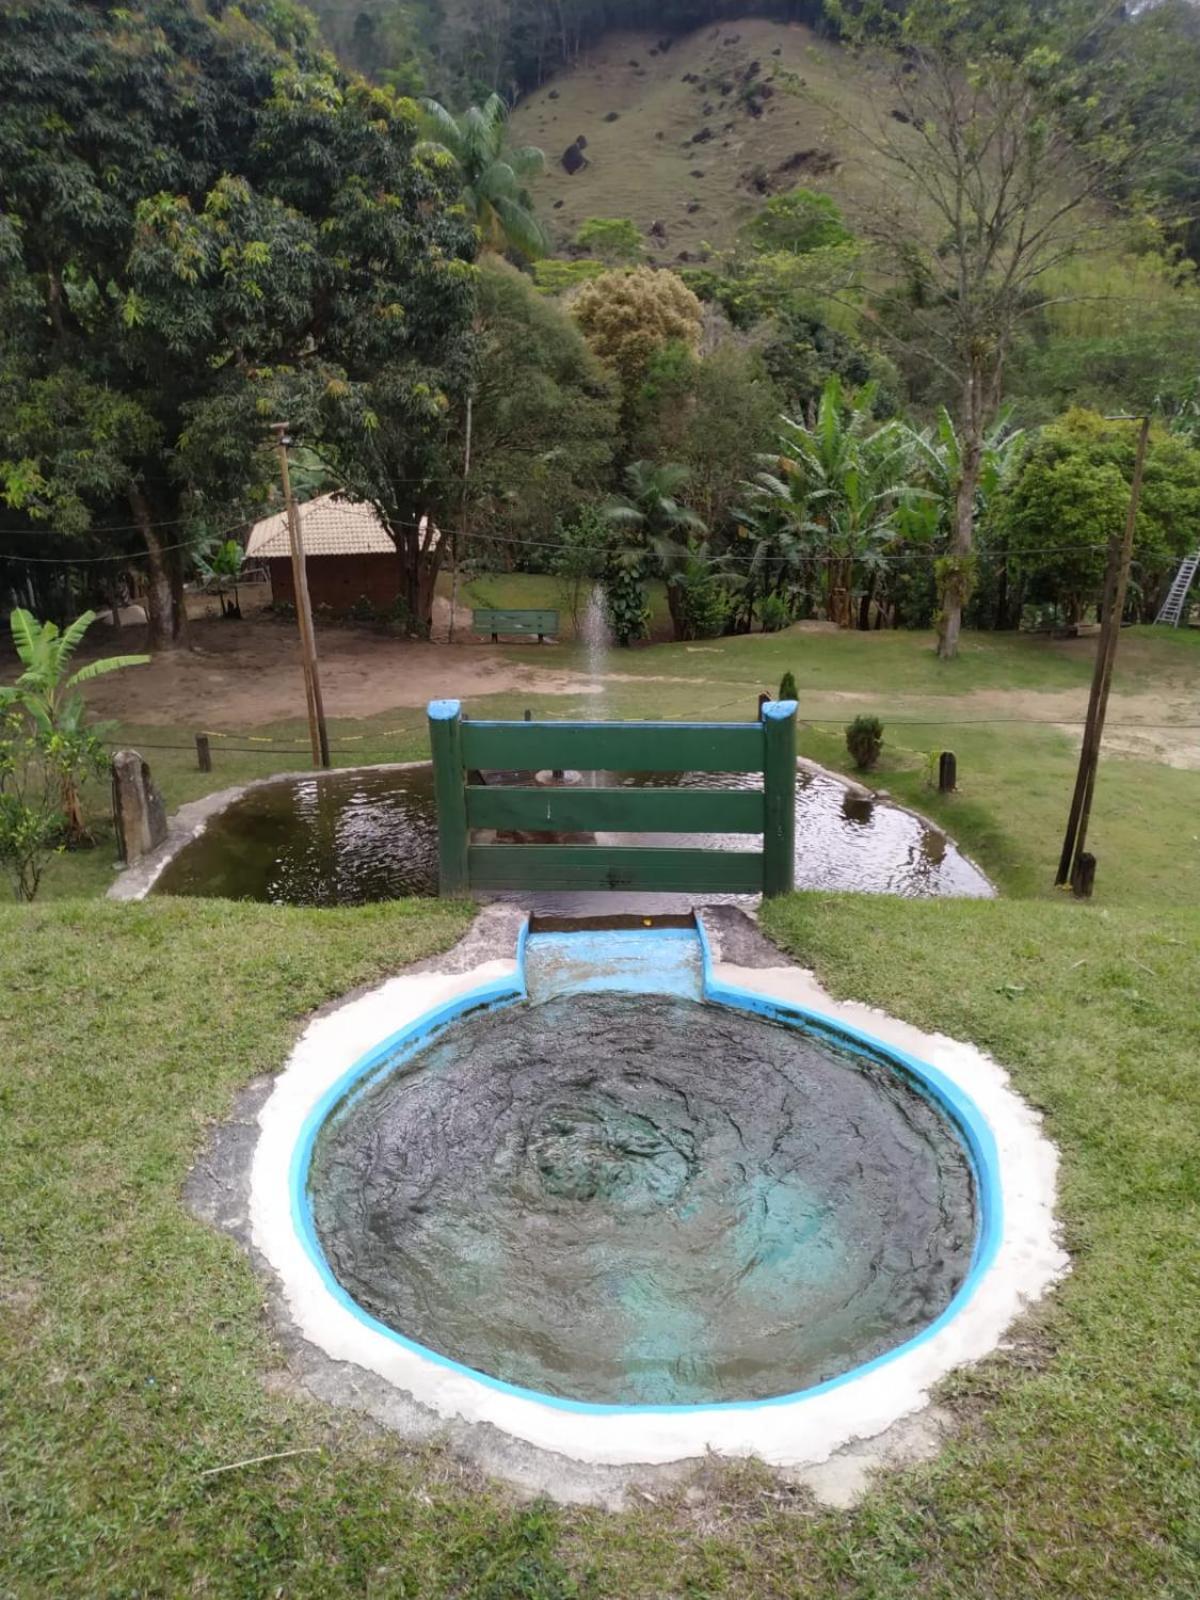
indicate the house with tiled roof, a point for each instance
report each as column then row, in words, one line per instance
column 350, row 556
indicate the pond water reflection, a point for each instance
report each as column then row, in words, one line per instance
column 350, row 838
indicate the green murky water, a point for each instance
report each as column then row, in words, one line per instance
column 645, row 1200
column 353, row 837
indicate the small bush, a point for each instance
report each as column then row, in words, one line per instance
column 362, row 610
column 787, row 687
column 616, row 240
column 557, row 277
column 625, row 600
column 864, row 740
column 773, row 613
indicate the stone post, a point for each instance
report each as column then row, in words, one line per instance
column 138, row 812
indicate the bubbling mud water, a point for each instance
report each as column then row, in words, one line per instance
column 633, row 1199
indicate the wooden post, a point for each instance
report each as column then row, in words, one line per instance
column 203, row 753
column 445, row 742
column 1115, row 584
column 763, row 700
column 1083, row 875
column 947, row 772
column 318, row 734
column 779, row 797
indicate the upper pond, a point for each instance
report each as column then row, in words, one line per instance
column 349, row 838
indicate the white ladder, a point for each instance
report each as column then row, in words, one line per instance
column 1172, row 608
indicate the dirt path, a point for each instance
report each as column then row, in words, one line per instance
column 242, row 675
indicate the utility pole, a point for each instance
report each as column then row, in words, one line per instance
column 462, row 518
column 1075, row 866
column 308, row 644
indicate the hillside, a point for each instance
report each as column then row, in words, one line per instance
column 692, row 137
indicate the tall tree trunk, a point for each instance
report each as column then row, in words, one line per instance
column 160, row 607
column 419, row 551
column 677, row 606
column 864, row 605
column 956, row 571
column 179, row 616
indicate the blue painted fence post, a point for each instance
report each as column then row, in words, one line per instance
column 779, row 797
column 449, row 788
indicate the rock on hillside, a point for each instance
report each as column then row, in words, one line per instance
column 695, row 137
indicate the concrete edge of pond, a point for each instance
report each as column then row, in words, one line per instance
column 832, row 1446
column 190, row 820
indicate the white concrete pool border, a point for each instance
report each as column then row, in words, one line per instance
column 794, row 1432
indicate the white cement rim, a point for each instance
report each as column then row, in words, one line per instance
column 799, row 1432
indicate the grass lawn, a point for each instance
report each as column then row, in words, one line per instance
column 134, row 1350
column 537, row 591
column 1002, row 708
column 135, row 1356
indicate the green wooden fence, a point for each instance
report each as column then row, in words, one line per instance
column 461, row 747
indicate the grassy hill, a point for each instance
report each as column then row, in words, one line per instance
column 703, row 131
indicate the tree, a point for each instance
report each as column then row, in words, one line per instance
column 209, row 226
column 46, row 693
column 1070, row 493
column 545, row 412
column 627, row 315
column 937, row 466
column 796, row 223
column 494, row 177
column 659, row 529
column 830, row 496
column 995, row 156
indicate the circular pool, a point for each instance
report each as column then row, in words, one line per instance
column 645, row 1200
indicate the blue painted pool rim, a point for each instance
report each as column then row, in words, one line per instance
column 968, row 1120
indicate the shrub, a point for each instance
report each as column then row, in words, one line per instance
column 864, row 740
column 787, row 687
column 774, row 614
column 32, row 819
column 614, row 239
column 704, row 600
column 797, row 223
column 625, row 599
column 557, row 277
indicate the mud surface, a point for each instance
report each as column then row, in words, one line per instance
column 633, row 1200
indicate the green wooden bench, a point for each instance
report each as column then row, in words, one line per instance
column 523, row 623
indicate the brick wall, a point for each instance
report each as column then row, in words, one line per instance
column 338, row 581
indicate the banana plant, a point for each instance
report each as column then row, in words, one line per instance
column 47, row 692
column 832, row 493
column 221, row 562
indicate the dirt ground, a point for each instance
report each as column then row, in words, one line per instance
column 245, row 674
column 242, row 675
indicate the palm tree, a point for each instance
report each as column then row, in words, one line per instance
column 47, row 693
column 662, row 530
column 831, row 493
column 493, row 178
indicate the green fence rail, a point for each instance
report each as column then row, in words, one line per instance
column 462, row 748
